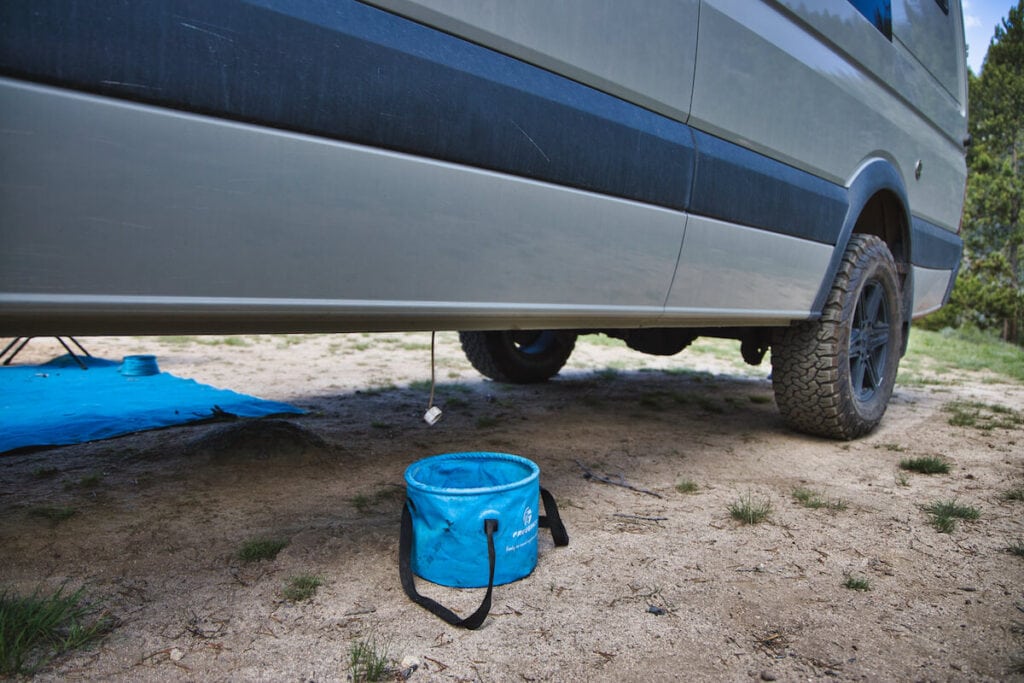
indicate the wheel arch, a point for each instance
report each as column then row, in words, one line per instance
column 877, row 205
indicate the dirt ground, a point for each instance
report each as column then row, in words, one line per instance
column 658, row 585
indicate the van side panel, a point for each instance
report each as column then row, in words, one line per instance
column 770, row 76
column 347, row 71
column 933, row 37
column 242, row 227
column 643, row 53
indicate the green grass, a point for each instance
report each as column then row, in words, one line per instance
column 902, row 479
column 929, row 464
column 758, row 399
column 600, row 340
column 261, row 549
column 962, row 350
column 708, row 405
column 748, row 511
column 36, row 629
column 88, row 482
column 1014, row 494
column 45, row 472
column 814, row 500
column 687, row 486
column 945, row 513
column 982, row 416
column 892, row 447
column 368, row 661
column 53, row 513
column 365, row 503
column 1016, row 548
column 301, row 587
column 857, row 583
column 486, row 422
column 176, row 340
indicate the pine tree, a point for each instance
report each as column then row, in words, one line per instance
column 988, row 292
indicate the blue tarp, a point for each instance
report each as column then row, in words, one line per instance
column 59, row 403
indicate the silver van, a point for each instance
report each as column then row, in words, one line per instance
column 789, row 173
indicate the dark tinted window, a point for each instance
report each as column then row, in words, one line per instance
column 878, row 12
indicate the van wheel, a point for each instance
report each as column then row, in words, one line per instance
column 523, row 357
column 833, row 377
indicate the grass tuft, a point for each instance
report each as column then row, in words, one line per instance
column 928, row 464
column 857, row 583
column 36, row 629
column 302, row 587
column 687, row 486
column 261, row 549
column 1016, row 548
column 748, row 511
column 368, row 661
column 53, row 513
column 982, row 416
column 365, row 503
column 1014, row 494
column 944, row 514
column 814, row 500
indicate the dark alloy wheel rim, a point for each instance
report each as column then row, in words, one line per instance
column 869, row 341
column 533, row 343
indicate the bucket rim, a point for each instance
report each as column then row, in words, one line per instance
column 534, row 473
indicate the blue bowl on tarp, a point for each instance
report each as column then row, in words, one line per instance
column 450, row 496
column 142, row 365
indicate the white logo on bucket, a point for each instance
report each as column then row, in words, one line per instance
column 525, row 536
column 529, row 525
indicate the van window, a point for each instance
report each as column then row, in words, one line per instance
column 878, row 12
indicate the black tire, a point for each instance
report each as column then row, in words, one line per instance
column 833, row 377
column 518, row 357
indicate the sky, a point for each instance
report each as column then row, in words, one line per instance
column 980, row 19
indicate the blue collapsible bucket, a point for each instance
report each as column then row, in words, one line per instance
column 471, row 521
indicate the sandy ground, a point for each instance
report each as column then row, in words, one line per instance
column 688, row 594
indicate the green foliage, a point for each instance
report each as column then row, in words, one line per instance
column 53, row 513
column 261, row 549
column 982, row 416
column 988, row 292
column 37, row 628
column 301, row 587
column 944, row 514
column 965, row 349
column 857, row 583
column 749, row 511
column 928, row 464
column 368, row 660
column 687, row 486
column 815, row 500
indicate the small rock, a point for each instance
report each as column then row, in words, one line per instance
column 176, row 654
column 768, row 676
column 655, row 610
column 407, row 667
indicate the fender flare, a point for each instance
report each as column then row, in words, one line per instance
column 873, row 176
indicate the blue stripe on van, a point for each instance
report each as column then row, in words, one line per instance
column 933, row 247
column 342, row 70
column 736, row 185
